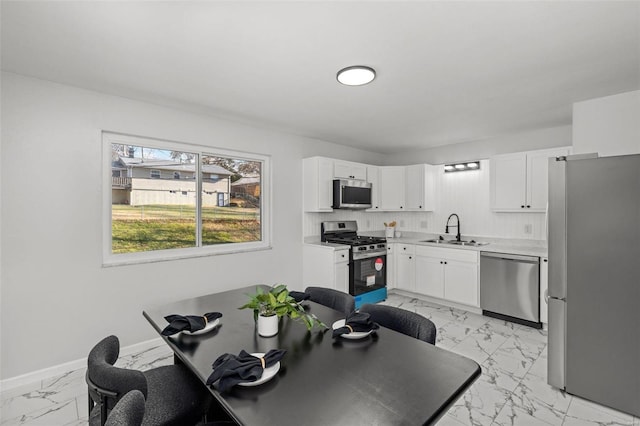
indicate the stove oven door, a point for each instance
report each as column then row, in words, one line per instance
column 367, row 274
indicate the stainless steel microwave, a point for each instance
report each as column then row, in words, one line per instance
column 351, row 194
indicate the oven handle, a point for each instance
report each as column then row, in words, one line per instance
column 369, row 254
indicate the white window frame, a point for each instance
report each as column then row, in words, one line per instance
column 113, row 259
column 155, row 171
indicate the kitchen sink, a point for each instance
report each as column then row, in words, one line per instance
column 471, row 243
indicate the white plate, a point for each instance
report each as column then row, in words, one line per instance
column 208, row 327
column 353, row 335
column 267, row 374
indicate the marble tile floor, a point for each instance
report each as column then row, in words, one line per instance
column 511, row 391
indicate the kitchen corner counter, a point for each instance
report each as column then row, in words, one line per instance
column 315, row 241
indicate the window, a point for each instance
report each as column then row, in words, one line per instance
column 220, row 207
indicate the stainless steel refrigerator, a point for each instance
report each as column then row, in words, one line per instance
column 594, row 279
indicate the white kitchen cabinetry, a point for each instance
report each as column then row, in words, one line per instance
column 450, row 274
column 544, row 285
column 391, row 265
column 419, row 187
column 392, row 188
column 405, row 267
column 325, row 266
column 519, row 181
column 407, row 188
column 374, row 179
column 317, row 176
column 349, row 170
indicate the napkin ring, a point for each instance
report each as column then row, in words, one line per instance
column 206, row 321
column 349, row 327
column 262, row 362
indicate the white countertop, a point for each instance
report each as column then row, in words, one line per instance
column 496, row 245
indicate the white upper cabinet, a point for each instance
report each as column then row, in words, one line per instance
column 519, row 182
column 420, row 187
column 374, row 179
column 407, row 188
column 392, row 188
column 349, row 170
column 317, row 179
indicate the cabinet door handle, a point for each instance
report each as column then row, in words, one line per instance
column 343, row 255
column 400, row 206
column 445, row 263
column 410, row 258
column 522, row 207
column 544, row 260
column 528, row 206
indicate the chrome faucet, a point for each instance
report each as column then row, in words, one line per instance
column 446, row 229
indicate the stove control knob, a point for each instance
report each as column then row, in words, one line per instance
column 362, row 248
column 372, row 247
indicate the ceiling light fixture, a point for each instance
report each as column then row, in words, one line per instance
column 356, row 75
column 460, row 167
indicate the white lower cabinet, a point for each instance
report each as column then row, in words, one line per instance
column 405, row 267
column 449, row 274
column 391, row 265
column 430, row 276
column 325, row 266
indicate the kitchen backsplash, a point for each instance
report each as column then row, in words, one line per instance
column 463, row 193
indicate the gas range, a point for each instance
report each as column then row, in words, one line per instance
column 346, row 233
column 367, row 260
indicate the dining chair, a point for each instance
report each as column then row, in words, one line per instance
column 173, row 395
column 402, row 321
column 129, row 411
column 333, row 299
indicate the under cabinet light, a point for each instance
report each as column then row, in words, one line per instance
column 460, row 167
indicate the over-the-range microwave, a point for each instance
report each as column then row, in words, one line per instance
column 351, row 194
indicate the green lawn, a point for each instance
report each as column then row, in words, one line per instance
column 159, row 227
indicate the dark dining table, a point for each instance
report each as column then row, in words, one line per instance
column 387, row 378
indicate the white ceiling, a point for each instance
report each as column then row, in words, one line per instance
column 448, row 72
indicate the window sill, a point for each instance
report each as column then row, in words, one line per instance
column 176, row 254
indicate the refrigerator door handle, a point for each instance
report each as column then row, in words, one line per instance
column 546, row 296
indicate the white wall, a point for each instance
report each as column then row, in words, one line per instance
column 608, row 126
column 57, row 299
column 551, row 137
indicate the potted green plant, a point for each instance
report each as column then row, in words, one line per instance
column 270, row 305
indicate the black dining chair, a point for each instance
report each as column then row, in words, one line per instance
column 173, row 395
column 129, row 411
column 333, row 299
column 402, row 321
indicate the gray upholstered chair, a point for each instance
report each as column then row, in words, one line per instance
column 129, row 411
column 173, row 395
column 402, row 321
column 334, row 299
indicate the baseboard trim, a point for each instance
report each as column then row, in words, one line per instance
column 56, row 370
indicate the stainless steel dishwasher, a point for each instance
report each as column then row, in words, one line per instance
column 510, row 287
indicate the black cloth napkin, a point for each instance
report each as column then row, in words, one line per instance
column 229, row 369
column 299, row 296
column 358, row 321
column 190, row 323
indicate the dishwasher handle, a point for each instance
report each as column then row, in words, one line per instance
column 514, row 257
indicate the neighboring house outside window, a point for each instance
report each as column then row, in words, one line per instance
column 156, row 211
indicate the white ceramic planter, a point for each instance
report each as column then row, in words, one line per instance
column 267, row 326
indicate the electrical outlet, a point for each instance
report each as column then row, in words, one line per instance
column 528, row 228
column 423, row 224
